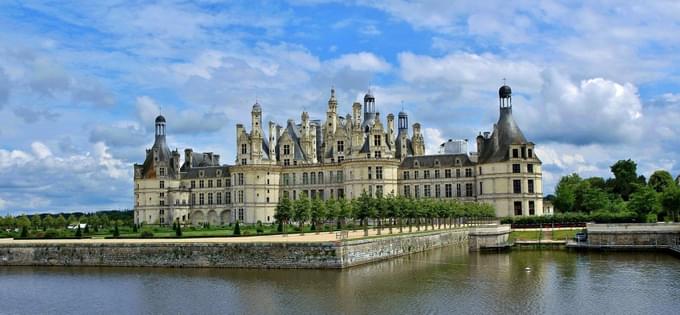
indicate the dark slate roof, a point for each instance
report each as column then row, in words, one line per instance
column 164, row 155
column 445, row 160
column 397, row 147
column 496, row 148
column 160, row 119
column 209, row 171
column 294, row 133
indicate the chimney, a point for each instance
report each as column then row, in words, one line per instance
column 188, row 157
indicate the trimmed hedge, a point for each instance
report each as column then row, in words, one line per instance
column 574, row 217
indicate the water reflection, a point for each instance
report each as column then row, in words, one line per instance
column 446, row 280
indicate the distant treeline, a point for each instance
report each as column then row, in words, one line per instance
column 99, row 219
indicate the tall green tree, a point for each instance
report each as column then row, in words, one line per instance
column 302, row 211
column 670, row 201
column 332, row 211
column 625, row 178
column 318, row 213
column 660, row 180
column 365, row 210
column 565, row 192
column 36, row 222
column 346, row 211
column 284, row 212
column 23, row 221
column 644, row 202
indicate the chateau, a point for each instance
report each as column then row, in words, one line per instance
column 340, row 157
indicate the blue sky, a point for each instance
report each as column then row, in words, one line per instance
column 81, row 81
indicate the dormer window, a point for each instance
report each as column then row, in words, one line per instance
column 515, row 153
column 286, row 149
column 244, row 148
column 416, row 163
column 436, row 163
column 530, row 153
column 201, row 174
column 161, row 171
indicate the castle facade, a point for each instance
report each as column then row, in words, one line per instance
column 339, row 157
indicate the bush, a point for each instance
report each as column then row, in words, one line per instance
column 79, row 233
column 147, row 234
column 116, row 233
column 24, row 232
column 51, row 233
column 178, row 230
column 260, row 228
column 237, row 229
column 134, row 228
column 279, row 228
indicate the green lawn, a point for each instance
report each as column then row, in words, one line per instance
column 536, row 235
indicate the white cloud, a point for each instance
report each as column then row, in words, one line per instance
column 433, row 139
column 593, row 111
column 41, row 150
column 363, row 61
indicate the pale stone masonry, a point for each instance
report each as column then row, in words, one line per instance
column 340, row 157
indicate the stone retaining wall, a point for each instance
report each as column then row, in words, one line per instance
column 236, row 255
column 642, row 235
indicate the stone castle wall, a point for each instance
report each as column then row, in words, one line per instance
column 226, row 255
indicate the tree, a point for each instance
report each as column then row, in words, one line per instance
column 346, row 211
column 36, row 222
column 72, row 219
column 301, row 213
column 237, row 228
column 565, row 192
column 116, row 233
column 49, row 221
column 60, row 221
column 318, row 213
column 365, row 210
column 660, row 180
column 24, row 231
column 79, row 233
column 670, row 201
column 23, row 222
column 178, row 229
column 625, row 178
column 644, row 202
column 284, row 211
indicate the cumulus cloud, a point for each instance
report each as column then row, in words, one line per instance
column 363, row 61
column 591, row 111
column 119, row 134
column 433, row 139
column 189, row 121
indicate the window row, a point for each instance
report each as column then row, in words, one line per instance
column 427, row 174
column 448, row 191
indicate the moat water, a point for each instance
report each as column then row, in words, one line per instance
column 443, row 281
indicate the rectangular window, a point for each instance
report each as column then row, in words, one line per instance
column 227, row 197
column 436, row 174
column 286, row 179
column 193, row 199
column 240, row 196
column 481, row 188
column 468, row 172
column 515, row 168
column 426, row 174
column 312, row 178
column 244, row 162
column 338, row 177
column 417, row 191
column 161, row 184
column 201, row 184
column 240, row 179
column 161, row 198
column 193, row 184
column 530, row 186
column 518, row 208
column 406, row 175
column 219, row 198
column 201, row 199
column 161, row 171
column 320, row 178
column 210, row 183
column 426, row 191
column 532, row 208
column 370, row 174
column 530, row 153
column 457, row 173
column 341, row 193
column 437, row 191
column 377, row 154
column 447, row 190
column 407, row 191
column 305, row 179
column 341, row 146
column 516, row 186
column 286, row 149
column 447, row 173
column 219, row 183
column 468, row 190
column 286, row 162
column 515, row 153
column 376, row 140
column 378, row 172
column 341, row 158
column 530, row 168
column 241, row 214
column 210, row 198
column 244, row 148
column 378, row 190
column 415, row 174
column 458, row 190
